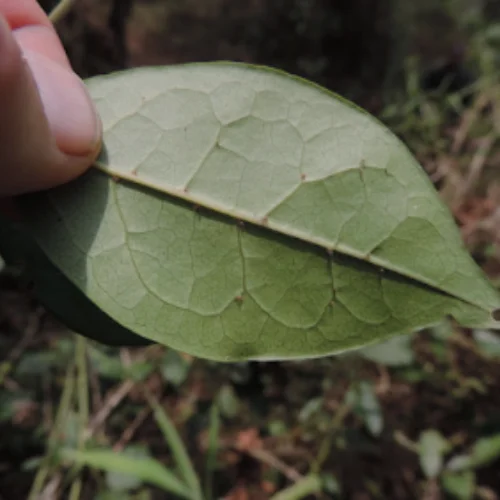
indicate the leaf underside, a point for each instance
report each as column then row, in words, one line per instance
column 238, row 212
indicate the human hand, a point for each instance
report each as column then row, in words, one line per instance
column 49, row 130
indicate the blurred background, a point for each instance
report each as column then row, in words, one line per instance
column 415, row 418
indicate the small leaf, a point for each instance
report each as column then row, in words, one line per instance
column 301, row 489
column 147, row 470
column 344, row 241
column 432, row 447
column 459, row 463
column 366, row 405
column 331, row 484
column 485, row 450
column 107, row 365
column 492, row 32
column 139, row 370
column 175, row 368
column 488, row 342
column 393, row 352
column 228, row 402
column 459, row 485
column 311, row 408
column 277, row 428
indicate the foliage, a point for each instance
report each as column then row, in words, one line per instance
column 346, row 243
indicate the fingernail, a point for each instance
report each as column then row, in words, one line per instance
column 70, row 111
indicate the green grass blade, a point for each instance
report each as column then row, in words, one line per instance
column 306, row 486
column 177, row 447
column 146, row 469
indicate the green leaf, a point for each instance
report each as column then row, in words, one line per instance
column 176, row 445
column 174, row 368
column 107, row 365
column 331, row 484
column 147, row 470
column 310, row 409
column 344, row 241
column 484, row 451
column 488, row 342
column 432, row 447
column 459, row 485
column 58, row 293
column 393, row 352
column 228, row 402
column 366, row 405
column 118, row 481
column 306, row 486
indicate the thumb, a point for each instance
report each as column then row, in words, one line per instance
column 49, row 129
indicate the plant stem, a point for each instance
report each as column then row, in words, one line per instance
column 60, row 11
column 62, row 413
column 326, row 445
column 83, row 407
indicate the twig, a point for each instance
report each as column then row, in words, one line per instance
column 383, row 385
column 475, row 168
column 129, row 432
column 468, row 119
column 268, row 458
column 116, row 397
column 478, row 160
column 60, row 11
column 112, row 401
column 404, row 441
column 50, row 490
column 338, row 419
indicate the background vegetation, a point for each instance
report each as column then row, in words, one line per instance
column 417, row 418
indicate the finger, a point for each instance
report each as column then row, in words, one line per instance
column 32, row 29
column 24, row 13
column 49, row 132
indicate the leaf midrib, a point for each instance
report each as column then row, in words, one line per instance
column 117, row 175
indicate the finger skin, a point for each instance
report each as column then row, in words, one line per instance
column 23, row 13
column 34, row 154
